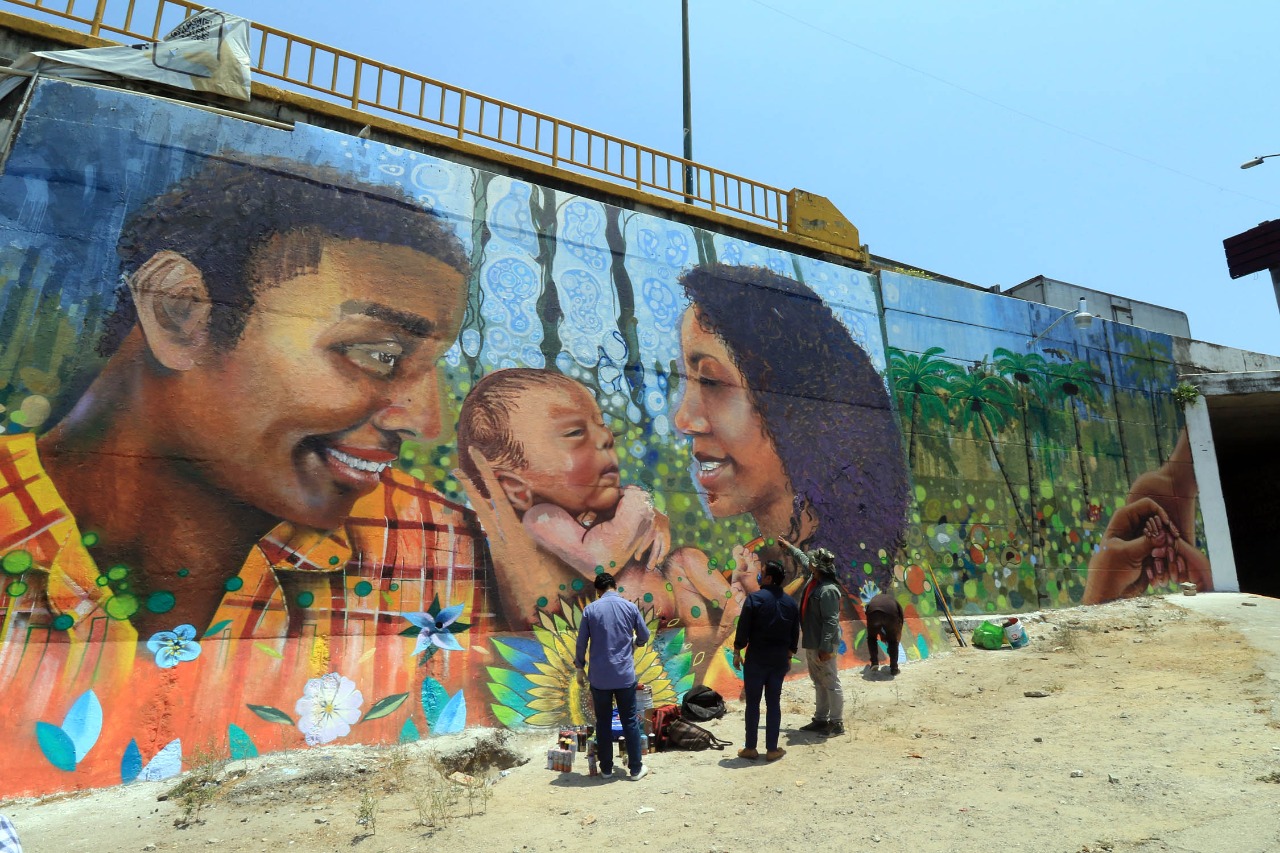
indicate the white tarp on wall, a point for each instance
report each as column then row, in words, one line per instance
column 208, row 52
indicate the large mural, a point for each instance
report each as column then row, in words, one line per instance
column 310, row 439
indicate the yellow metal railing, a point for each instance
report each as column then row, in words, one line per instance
column 374, row 87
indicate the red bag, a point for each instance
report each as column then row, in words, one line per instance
column 662, row 717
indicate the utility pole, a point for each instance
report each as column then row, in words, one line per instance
column 688, row 109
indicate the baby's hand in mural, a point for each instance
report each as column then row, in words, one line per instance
column 661, row 540
column 524, row 572
column 746, row 568
column 1127, row 562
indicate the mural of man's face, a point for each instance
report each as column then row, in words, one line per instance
column 335, row 368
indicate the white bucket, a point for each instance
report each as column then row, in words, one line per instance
column 1014, row 633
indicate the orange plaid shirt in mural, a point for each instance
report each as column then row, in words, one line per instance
column 305, row 603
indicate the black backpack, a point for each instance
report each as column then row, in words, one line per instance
column 702, row 703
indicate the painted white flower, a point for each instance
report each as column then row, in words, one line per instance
column 329, row 706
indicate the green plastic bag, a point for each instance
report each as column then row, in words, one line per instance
column 988, row 635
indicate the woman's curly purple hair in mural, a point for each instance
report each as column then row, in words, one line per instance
column 823, row 403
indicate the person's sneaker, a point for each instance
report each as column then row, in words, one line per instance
column 893, row 670
column 606, row 774
column 639, row 774
column 774, row 754
column 748, row 753
column 815, row 726
column 834, row 729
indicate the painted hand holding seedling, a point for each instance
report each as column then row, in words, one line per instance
column 1165, row 562
column 1148, row 541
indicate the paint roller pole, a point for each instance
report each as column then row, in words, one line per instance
column 945, row 609
column 688, row 106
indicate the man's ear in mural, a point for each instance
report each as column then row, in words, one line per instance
column 518, row 490
column 173, row 308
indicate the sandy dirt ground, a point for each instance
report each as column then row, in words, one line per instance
column 1158, row 730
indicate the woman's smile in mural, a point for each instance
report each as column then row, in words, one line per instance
column 348, row 378
column 736, row 464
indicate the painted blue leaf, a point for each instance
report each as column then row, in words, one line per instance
column 434, row 698
column 509, row 697
column 454, row 716
column 130, row 763
column 241, row 744
column 520, row 652
column 409, row 732
column 83, row 723
column 166, row 763
column 675, row 645
column 56, row 746
column 508, row 678
column 449, row 614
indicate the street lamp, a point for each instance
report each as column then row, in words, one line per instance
column 1081, row 317
column 1257, row 161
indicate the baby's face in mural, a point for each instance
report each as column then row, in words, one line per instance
column 571, row 461
column 736, row 464
column 335, row 368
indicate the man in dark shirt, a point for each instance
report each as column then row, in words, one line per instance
column 769, row 629
column 884, row 622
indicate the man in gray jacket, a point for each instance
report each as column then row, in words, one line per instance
column 820, row 624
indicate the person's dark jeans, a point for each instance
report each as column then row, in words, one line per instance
column 767, row 680
column 603, row 701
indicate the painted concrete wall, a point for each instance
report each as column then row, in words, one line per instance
column 310, row 439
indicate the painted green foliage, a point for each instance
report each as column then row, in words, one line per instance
column 1060, row 456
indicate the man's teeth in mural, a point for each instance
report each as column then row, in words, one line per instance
column 356, row 462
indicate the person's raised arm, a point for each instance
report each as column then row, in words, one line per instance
column 641, row 629
column 580, row 654
column 800, row 556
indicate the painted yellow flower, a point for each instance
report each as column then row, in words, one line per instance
column 551, row 694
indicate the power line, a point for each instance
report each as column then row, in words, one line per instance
column 1021, row 113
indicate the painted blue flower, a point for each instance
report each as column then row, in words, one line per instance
column 435, row 629
column 173, row 647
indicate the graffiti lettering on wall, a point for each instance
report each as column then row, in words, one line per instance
column 310, row 439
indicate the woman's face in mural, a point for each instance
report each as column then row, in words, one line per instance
column 736, row 464
column 336, row 367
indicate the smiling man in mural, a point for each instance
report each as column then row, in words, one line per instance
column 228, row 472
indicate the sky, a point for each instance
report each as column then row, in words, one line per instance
column 1089, row 141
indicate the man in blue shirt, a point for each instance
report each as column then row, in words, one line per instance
column 769, row 629
column 613, row 628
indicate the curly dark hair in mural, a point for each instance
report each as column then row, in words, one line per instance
column 824, row 406
column 220, row 218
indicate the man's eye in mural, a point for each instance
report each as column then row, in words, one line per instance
column 379, row 358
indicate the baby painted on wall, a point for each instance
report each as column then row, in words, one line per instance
column 553, row 455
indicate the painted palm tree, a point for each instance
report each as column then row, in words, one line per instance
column 1077, row 383
column 921, row 383
column 1027, row 373
column 1148, row 362
column 983, row 402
